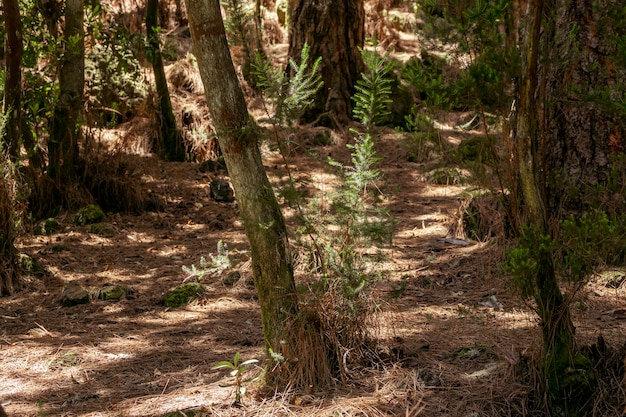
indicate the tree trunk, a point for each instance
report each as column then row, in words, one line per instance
column 170, row 140
column 9, row 269
column 584, row 117
column 13, row 77
column 238, row 139
column 334, row 29
column 65, row 133
column 559, row 131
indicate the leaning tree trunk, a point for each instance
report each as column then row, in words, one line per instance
column 334, row 29
column 170, row 140
column 263, row 221
column 13, row 77
column 65, row 133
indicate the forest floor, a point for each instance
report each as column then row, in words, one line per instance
column 461, row 330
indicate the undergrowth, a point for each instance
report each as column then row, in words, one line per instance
column 337, row 269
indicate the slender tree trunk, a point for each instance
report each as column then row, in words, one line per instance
column 567, row 372
column 238, row 138
column 170, row 140
column 13, row 77
column 334, row 29
column 65, row 133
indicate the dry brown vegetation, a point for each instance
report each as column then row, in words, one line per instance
column 453, row 337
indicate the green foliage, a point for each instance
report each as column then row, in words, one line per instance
column 346, row 270
column 479, row 70
column 582, row 245
column 425, row 143
column 591, row 241
column 373, row 90
column 242, row 24
column 219, row 263
column 289, row 97
column 427, row 77
column 361, row 222
column 114, row 81
column 239, row 21
column 238, row 370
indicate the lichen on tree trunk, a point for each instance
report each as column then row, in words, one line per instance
column 568, row 373
column 259, row 210
column 65, row 132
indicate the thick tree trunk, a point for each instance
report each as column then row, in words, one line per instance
column 170, row 140
column 65, row 133
column 582, row 121
column 334, row 29
column 259, row 210
column 13, row 77
column 568, row 373
column 9, row 270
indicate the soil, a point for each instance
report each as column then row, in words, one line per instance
column 458, row 331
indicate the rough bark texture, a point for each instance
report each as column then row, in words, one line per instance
column 170, row 141
column 556, row 133
column 13, row 76
column 259, row 210
column 65, row 133
column 581, row 126
column 9, row 277
column 334, row 29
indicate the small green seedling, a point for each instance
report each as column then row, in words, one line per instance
column 219, row 263
column 238, row 371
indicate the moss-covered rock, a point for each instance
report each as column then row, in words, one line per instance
column 183, row 295
column 114, row 293
column 48, row 226
column 31, row 265
column 102, row 229
column 89, row 214
column 74, row 294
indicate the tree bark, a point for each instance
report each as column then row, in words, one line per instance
column 170, row 140
column 259, row 210
column 555, row 135
column 65, row 133
column 13, row 77
column 583, row 122
column 335, row 30
column 9, row 269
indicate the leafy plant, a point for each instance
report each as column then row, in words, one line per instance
column 238, row 371
column 582, row 245
column 219, row 263
column 373, row 89
column 289, row 97
column 360, row 222
column 243, row 23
